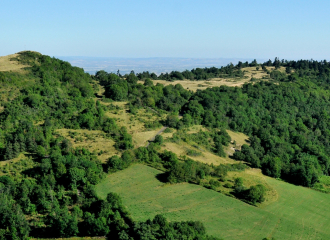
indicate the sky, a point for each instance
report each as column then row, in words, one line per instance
column 288, row 29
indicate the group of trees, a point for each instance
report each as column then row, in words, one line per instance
column 287, row 122
column 254, row 194
column 170, row 98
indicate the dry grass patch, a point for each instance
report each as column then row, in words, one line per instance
column 204, row 84
column 140, row 139
column 93, row 140
column 196, row 129
column 249, row 72
column 20, row 157
column 168, row 135
column 206, row 157
column 239, row 138
column 135, row 124
column 6, row 64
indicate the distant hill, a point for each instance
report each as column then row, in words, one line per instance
column 156, row 65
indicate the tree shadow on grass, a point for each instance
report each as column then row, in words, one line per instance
column 162, row 177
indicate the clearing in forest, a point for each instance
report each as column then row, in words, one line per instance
column 297, row 212
column 249, row 73
column 137, row 125
column 93, row 140
column 181, row 148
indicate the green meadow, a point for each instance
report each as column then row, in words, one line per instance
column 297, row 213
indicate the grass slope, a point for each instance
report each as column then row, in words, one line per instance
column 8, row 64
column 297, row 213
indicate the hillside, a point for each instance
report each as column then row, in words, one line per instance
column 297, row 213
column 98, row 155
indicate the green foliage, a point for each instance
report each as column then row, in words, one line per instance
column 159, row 139
column 256, row 194
column 286, row 123
column 191, row 152
column 160, row 228
column 13, row 224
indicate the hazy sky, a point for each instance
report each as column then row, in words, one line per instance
column 167, row 28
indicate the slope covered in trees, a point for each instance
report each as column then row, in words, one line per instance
column 286, row 121
column 51, row 192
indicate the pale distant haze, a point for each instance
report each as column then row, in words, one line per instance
column 209, row 29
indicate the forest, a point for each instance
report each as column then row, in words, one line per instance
column 53, row 193
column 287, row 122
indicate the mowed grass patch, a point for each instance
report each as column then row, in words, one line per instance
column 93, row 140
column 298, row 213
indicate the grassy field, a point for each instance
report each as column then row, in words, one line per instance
column 296, row 212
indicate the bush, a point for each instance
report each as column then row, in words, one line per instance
column 256, row 194
column 159, row 139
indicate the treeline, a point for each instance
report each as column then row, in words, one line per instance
column 232, row 71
